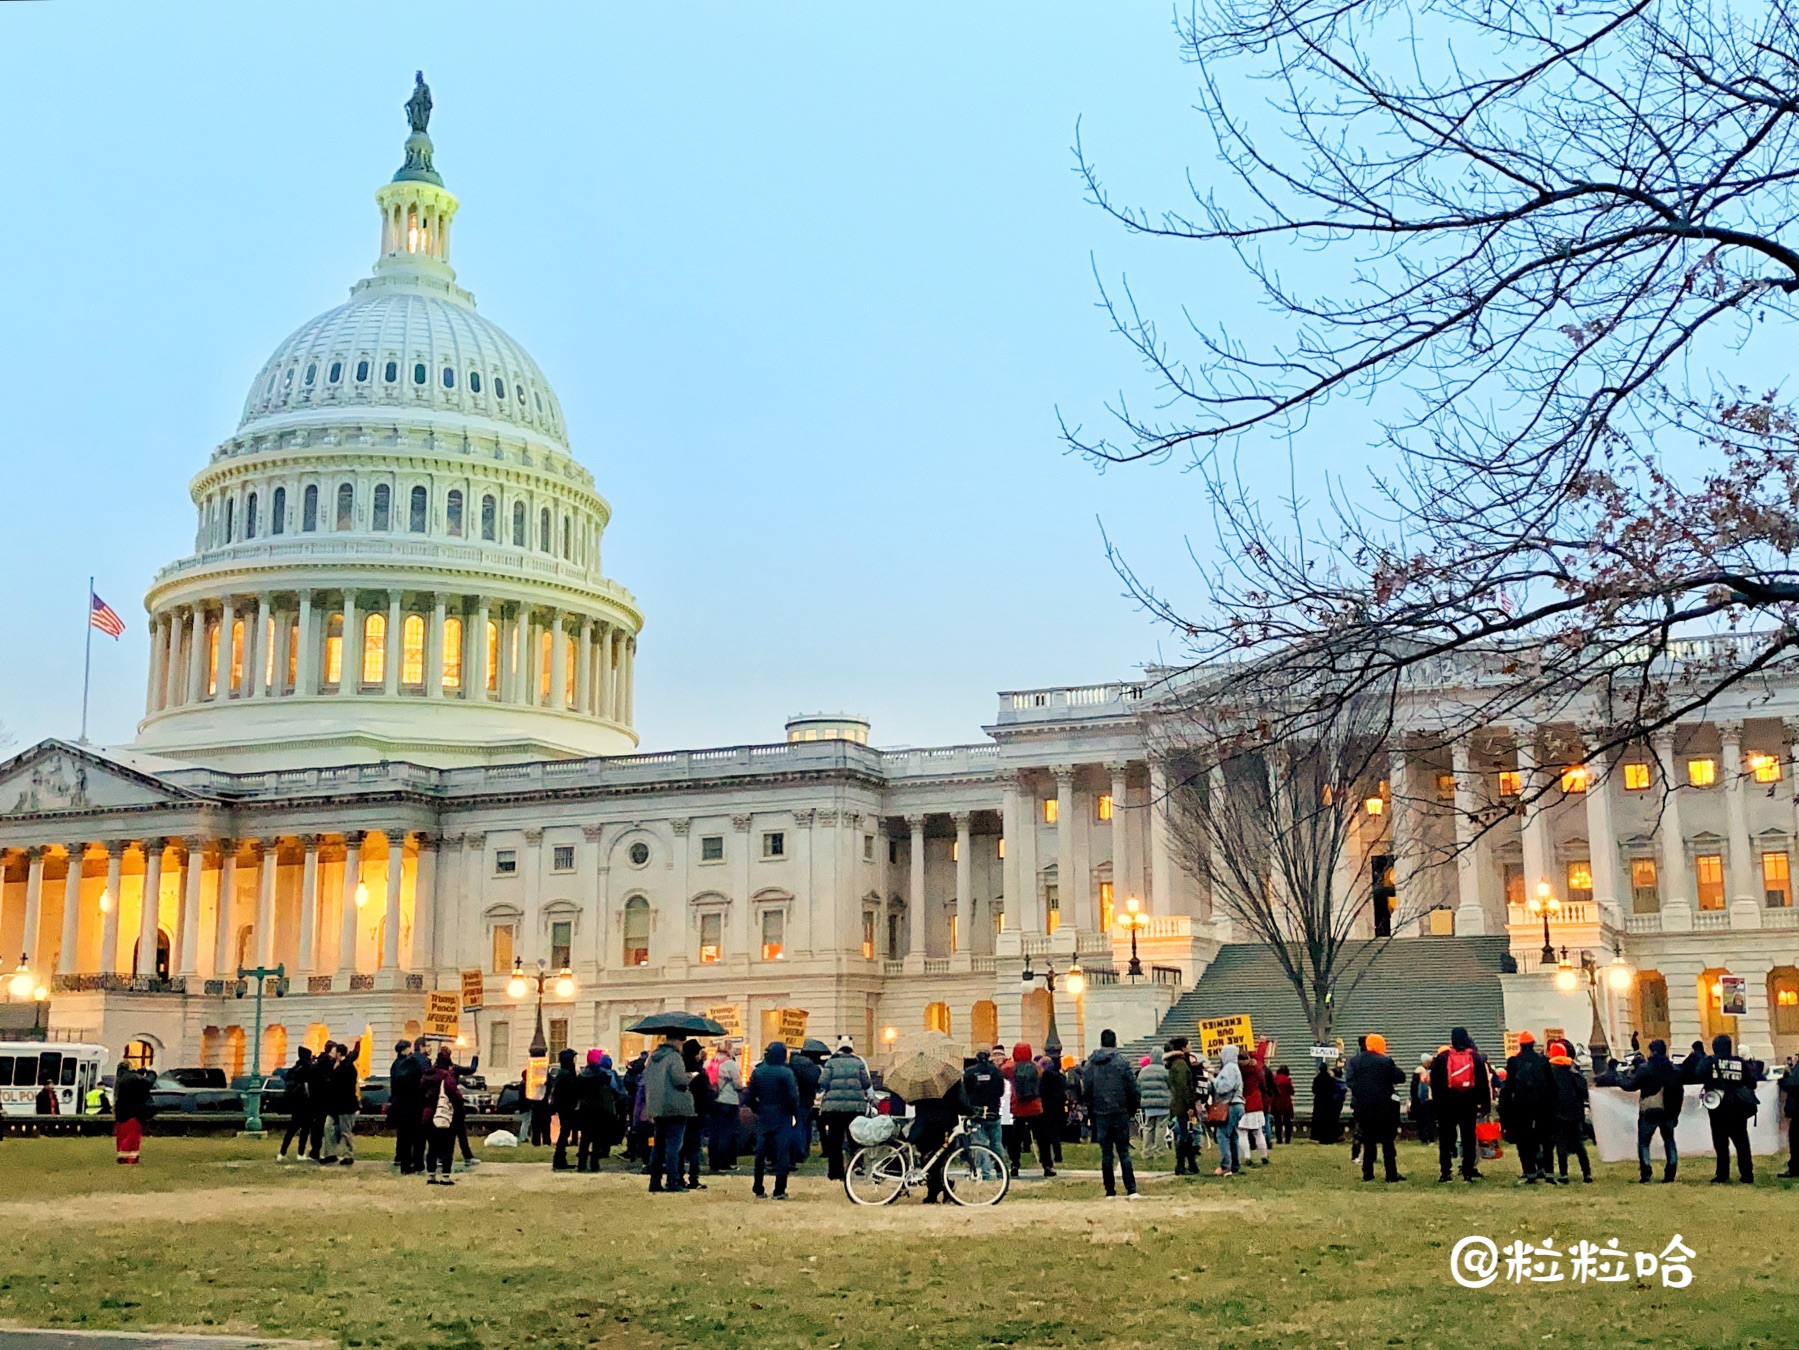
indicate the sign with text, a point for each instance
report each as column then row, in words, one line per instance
column 1733, row 995
column 1217, row 1032
column 1327, row 1052
column 727, row 1015
column 1511, row 1044
column 473, row 990
column 793, row 1027
column 443, row 1013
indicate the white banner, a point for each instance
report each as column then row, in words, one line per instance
column 1615, row 1126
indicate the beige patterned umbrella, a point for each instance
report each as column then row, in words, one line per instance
column 926, row 1064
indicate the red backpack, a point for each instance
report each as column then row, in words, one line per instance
column 1460, row 1067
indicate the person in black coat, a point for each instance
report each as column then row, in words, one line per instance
column 1570, row 1113
column 564, row 1093
column 1327, row 1106
column 773, row 1094
column 1733, row 1078
column 705, row 1098
column 806, row 1074
column 934, row 1119
column 296, row 1100
column 1527, row 1108
column 406, row 1085
column 1372, row 1077
column 131, row 1110
column 1461, row 1089
column 1055, row 1102
column 1657, row 1083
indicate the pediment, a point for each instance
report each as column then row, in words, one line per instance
column 55, row 777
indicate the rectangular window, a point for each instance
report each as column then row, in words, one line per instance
column 562, row 943
column 1766, row 768
column 293, row 654
column 558, row 1036
column 893, row 937
column 1511, row 783
column 955, row 935
column 1445, row 787
column 893, row 850
column 1645, row 889
column 955, row 850
column 499, row 1045
column 452, row 676
column 868, row 848
column 237, row 657
column 562, row 858
column 1708, row 871
column 1636, row 777
column 712, row 848
column 774, row 844
column 1777, row 881
column 1051, row 806
column 505, row 861
column 334, row 650
column 1102, row 806
column 503, row 935
column 493, row 657
column 545, row 666
column 1107, row 910
column 374, row 649
column 1514, row 883
column 868, row 935
column 712, row 937
column 1580, row 881
column 774, row 934
column 1574, row 778
column 999, row 848
column 1052, row 905
column 1702, row 772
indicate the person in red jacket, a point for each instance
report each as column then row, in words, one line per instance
column 1257, row 1098
column 1283, row 1106
column 1028, row 1118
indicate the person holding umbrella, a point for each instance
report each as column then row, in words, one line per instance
column 927, row 1074
column 668, row 1102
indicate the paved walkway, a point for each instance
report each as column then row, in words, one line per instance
column 26, row 1339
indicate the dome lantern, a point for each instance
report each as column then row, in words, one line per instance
column 416, row 208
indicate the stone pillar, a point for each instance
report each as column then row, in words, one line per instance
column 390, row 683
column 160, row 628
column 306, row 665
column 606, row 674
column 1470, row 917
column 286, row 653
column 1161, row 856
column 224, row 932
column 71, row 912
column 630, row 706
column 306, row 959
column 180, row 636
column 109, row 914
column 258, row 632
column 964, row 884
column 350, row 664
column 31, row 948
column 396, row 871
column 268, row 867
column 474, row 857
column 1127, row 871
column 558, row 661
column 1536, row 834
column 1745, row 888
column 584, row 668
column 1012, row 890
column 424, row 906
column 478, row 688
column 530, row 682
column 148, row 912
column 346, row 942
column 740, row 900
column 434, row 649
column 222, row 667
column 1602, row 845
column 192, row 872
column 1407, row 902
column 1676, row 890
column 1067, row 864
column 915, row 916
column 196, row 658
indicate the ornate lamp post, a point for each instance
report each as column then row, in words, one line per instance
column 1618, row 976
column 1135, row 921
column 253, row 1089
column 1074, row 980
column 520, row 985
column 1545, row 904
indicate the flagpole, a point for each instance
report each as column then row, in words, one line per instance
column 87, row 657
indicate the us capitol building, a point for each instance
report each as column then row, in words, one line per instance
column 388, row 743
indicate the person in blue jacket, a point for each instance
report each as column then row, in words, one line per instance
column 774, row 1095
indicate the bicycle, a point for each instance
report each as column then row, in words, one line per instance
column 1152, row 1136
column 881, row 1172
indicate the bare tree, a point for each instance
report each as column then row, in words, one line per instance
column 1541, row 232
column 1270, row 827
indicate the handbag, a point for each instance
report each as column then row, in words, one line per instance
column 444, row 1114
column 1218, row 1113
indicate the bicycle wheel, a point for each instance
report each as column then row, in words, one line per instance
column 976, row 1175
column 876, row 1175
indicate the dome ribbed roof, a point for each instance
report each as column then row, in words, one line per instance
column 370, row 352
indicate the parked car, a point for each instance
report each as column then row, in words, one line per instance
column 510, row 1100
column 376, row 1094
column 274, row 1088
column 195, row 1077
column 169, row 1094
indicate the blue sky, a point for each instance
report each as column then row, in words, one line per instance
column 810, row 280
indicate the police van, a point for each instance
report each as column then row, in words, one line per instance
column 25, row 1066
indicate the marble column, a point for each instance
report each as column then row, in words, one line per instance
column 390, row 683
column 71, row 912
column 346, row 942
column 477, row 687
column 915, row 916
column 196, row 657
column 34, row 906
column 269, row 867
column 390, row 933
column 148, row 912
column 434, row 648
column 1745, row 887
column 305, row 961
column 607, row 676
column 558, row 660
column 192, row 872
column 224, row 932
column 1676, row 889
column 964, row 884
column 1161, row 854
column 584, row 668
column 1535, row 832
column 1012, row 889
column 1127, row 871
column 307, row 665
column 286, row 646
column 1470, row 916
column 221, row 674
column 424, row 906
column 109, row 912
column 350, row 659
column 1067, row 864
column 1602, row 844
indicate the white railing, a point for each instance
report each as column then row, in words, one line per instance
column 1169, row 926
column 1711, row 920
column 1020, row 705
column 1642, row 923
column 936, row 965
column 985, row 965
column 893, row 967
column 1784, row 916
column 1572, row 914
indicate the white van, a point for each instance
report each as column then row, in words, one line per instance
column 26, row 1065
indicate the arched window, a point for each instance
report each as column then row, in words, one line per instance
column 391, row 372
column 334, row 650
column 452, row 652
column 493, row 657
column 250, row 517
column 412, row 651
column 489, row 511
column 417, row 510
column 234, row 1050
column 499, row 387
column 453, row 513
column 518, row 524
column 545, row 649
column 230, row 518
column 309, row 508
column 570, row 652
column 383, row 518
column 567, row 538
column 278, row 512
column 140, row 1055
column 374, row 649
column 936, row 1017
column 212, row 659
column 237, row 657
column 983, row 1024
column 346, row 506
column 637, row 931
column 274, row 1046
column 449, row 378
column 337, row 372
column 418, row 373
column 293, row 656
column 362, row 372
column 162, row 953
column 543, row 531
column 474, row 382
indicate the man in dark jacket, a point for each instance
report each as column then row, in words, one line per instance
column 130, row 1110
column 1111, row 1097
column 406, row 1078
column 843, row 1095
column 1733, row 1078
column 1183, row 1106
column 1372, row 1077
column 1462, row 1091
column 343, row 1099
column 1788, row 1096
column 773, row 1094
column 1055, row 1102
column 1656, row 1081
column 596, row 1111
column 806, row 1074
column 1527, row 1108
column 983, row 1091
column 564, row 1089
column 1570, row 1113
column 296, row 1099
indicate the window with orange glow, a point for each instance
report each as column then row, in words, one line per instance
column 1574, row 778
column 1636, row 777
column 237, row 656
column 1511, row 783
column 412, row 651
column 1708, row 872
column 374, row 649
column 493, row 657
column 452, row 652
column 1702, row 772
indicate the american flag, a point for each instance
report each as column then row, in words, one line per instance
column 102, row 616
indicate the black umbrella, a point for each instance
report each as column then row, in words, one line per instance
column 677, row 1024
column 813, row 1046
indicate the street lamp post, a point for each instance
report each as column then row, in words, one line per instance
column 253, row 1089
column 1074, row 980
column 1545, row 903
column 25, row 984
column 520, row 985
column 1568, row 978
column 1135, row 921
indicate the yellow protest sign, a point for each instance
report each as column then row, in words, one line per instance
column 793, row 1027
column 1217, row 1032
column 727, row 1015
column 474, row 987
column 443, row 1013
column 1511, row 1044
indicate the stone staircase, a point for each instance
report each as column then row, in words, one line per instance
column 1417, row 990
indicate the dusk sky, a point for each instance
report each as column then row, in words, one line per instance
column 810, row 282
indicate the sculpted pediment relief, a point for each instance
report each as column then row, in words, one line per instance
column 54, row 777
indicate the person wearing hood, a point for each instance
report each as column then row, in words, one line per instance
column 637, row 1124
column 564, row 1090
column 705, row 1097
column 1283, row 1105
column 1570, row 1112
column 596, row 1111
column 405, row 1079
column 437, row 1097
column 1657, row 1083
column 1056, row 1092
column 296, row 1098
column 1372, row 1077
column 1227, row 1092
column 1112, row 1098
column 1327, row 1105
column 1461, row 1091
column 1029, row 1126
column 1527, row 1108
column 669, row 1104
column 1733, row 1078
column 1424, row 1117
column 773, row 1094
column 1183, row 1104
column 1252, row 1130
column 807, row 1073
column 130, row 1110
column 843, row 1087
column 1787, row 1094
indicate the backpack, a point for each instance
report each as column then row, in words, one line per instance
column 1460, row 1066
column 1027, row 1082
column 444, row 1115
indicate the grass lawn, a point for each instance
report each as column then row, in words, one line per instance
column 213, row 1234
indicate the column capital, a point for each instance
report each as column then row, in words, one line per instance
column 426, row 842
column 34, row 853
column 803, row 818
column 1064, row 775
column 915, row 822
column 352, row 838
column 826, row 818
column 741, row 824
column 453, row 842
column 534, row 837
column 475, row 840
column 680, row 827
column 1729, row 731
column 196, row 843
column 1118, row 768
column 309, row 842
column 153, row 844
column 961, row 819
column 592, row 833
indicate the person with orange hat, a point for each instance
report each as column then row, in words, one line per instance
column 1372, row 1077
column 1527, row 1109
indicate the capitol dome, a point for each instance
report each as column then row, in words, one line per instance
column 396, row 555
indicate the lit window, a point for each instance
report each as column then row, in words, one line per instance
column 955, row 850
column 1511, row 783
column 293, row 654
column 493, row 657
column 712, row 937
column 1786, row 1004
column 452, row 652
column 1574, row 778
column 1645, row 890
column 1580, row 881
column 570, row 654
column 868, row 935
column 774, row 934
column 505, row 861
column 562, row 941
column 412, row 651
column 1050, row 809
column 936, row 1017
column 712, row 848
column 1102, row 806
column 212, row 659
column 453, row 513
column 1777, row 881
column 999, row 847
column 1708, row 871
column 637, row 931
column 955, row 935
column 1702, row 772
column 1107, row 911
column 334, row 649
column 237, row 657
column 1513, row 878
column 774, row 844
column 1446, row 787
column 1766, row 768
column 1636, row 777
column 374, row 649
column 562, row 858
column 268, row 660
column 543, row 665
column 383, row 504
column 1052, row 906
column 503, row 934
